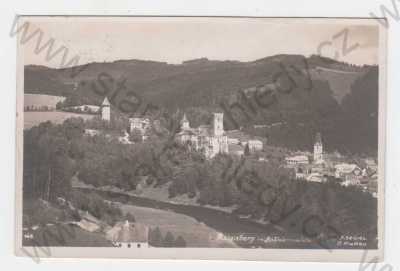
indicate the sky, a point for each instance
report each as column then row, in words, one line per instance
column 174, row 39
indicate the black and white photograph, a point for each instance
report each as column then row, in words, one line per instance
column 146, row 135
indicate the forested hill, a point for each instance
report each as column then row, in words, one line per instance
column 310, row 94
column 193, row 83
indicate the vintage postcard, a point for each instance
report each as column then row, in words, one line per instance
column 200, row 138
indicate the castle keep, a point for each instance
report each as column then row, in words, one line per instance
column 210, row 140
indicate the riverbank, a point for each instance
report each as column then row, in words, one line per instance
column 159, row 193
column 243, row 232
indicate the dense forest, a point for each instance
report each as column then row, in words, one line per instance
column 193, row 83
column 350, row 127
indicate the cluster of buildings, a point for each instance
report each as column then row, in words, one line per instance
column 319, row 167
column 129, row 235
column 213, row 139
column 141, row 125
column 207, row 139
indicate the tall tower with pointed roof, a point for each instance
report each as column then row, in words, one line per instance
column 318, row 150
column 105, row 110
column 185, row 123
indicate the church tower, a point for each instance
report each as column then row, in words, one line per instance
column 318, row 149
column 185, row 123
column 105, row 110
column 218, row 124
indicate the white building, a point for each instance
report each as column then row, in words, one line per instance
column 315, row 177
column 297, row 160
column 351, row 180
column 86, row 108
column 105, row 110
column 129, row 235
column 92, row 132
column 140, row 124
column 255, row 145
column 343, row 169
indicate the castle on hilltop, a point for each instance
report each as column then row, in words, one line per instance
column 210, row 140
column 207, row 139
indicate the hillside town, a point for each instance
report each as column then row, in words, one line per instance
column 182, row 142
column 213, row 143
column 211, row 140
column 320, row 167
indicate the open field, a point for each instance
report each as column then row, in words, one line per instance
column 196, row 234
column 38, row 100
column 340, row 82
column 34, row 118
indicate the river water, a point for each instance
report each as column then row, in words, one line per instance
column 244, row 232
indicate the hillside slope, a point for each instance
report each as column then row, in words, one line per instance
column 200, row 81
column 305, row 94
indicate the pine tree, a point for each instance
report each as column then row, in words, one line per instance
column 155, row 237
column 130, row 217
column 169, row 240
column 180, row 242
column 246, row 150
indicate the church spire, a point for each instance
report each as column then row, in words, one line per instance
column 318, row 150
column 106, row 102
column 184, row 119
column 185, row 123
